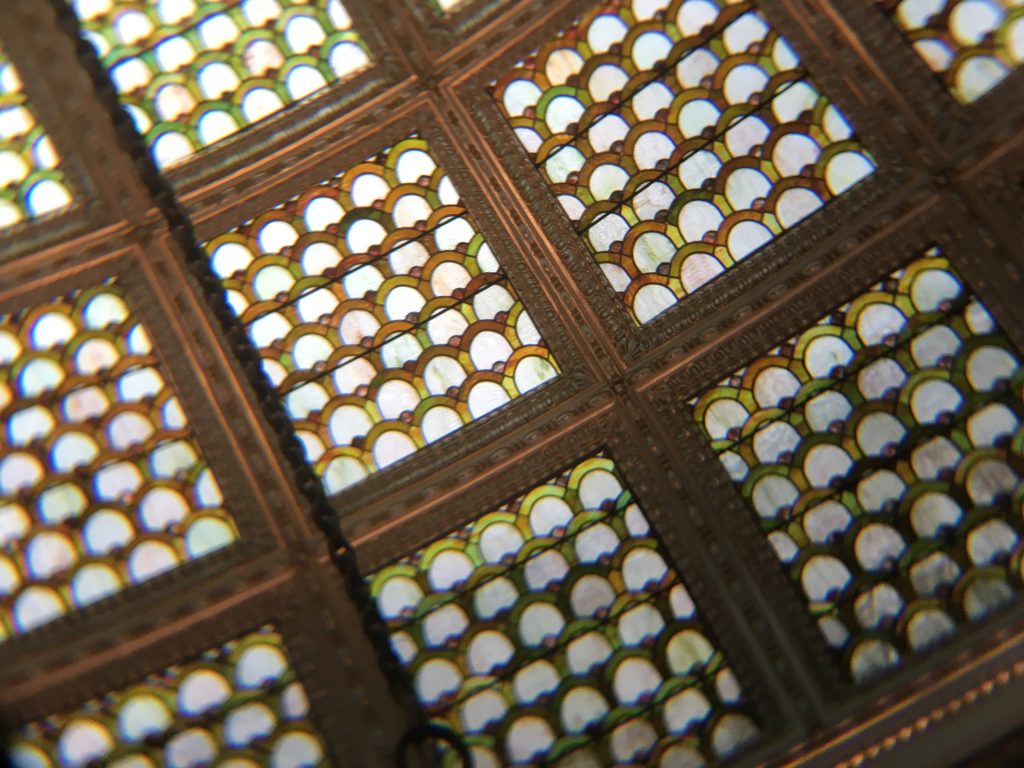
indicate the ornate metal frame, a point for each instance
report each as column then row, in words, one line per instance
column 948, row 174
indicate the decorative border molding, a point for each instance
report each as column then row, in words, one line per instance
column 905, row 731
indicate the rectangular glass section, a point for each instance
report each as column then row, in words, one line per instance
column 239, row 704
column 382, row 317
column 679, row 138
column 102, row 482
column 31, row 180
column 192, row 73
column 881, row 452
column 971, row 44
column 553, row 631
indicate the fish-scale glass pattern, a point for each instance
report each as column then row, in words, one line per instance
column 679, row 138
column 971, row 44
column 31, row 181
column 382, row 317
column 102, row 482
column 881, row 451
column 193, row 72
column 237, row 705
column 552, row 631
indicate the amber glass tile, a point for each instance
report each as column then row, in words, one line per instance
column 102, row 482
column 973, row 45
column 237, row 705
column 382, row 316
column 31, row 180
column 193, row 72
column 553, row 631
column 881, row 453
column 679, row 138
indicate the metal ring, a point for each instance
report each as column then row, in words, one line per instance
column 425, row 731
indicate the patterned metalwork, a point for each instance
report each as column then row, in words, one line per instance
column 680, row 137
column 553, row 631
column 31, row 181
column 881, row 451
column 193, row 72
column 238, row 705
column 971, row 44
column 382, row 317
column 102, row 482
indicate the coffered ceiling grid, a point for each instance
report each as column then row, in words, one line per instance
column 729, row 293
column 448, row 103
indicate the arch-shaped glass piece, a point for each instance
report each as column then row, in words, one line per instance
column 102, row 482
column 679, row 138
column 971, row 44
column 554, row 626
column 236, row 704
column 191, row 73
column 381, row 315
column 880, row 451
column 32, row 183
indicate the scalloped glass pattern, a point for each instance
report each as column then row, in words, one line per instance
column 31, row 181
column 238, row 705
column 102, row 482
column 553, row 631
column 880, row 450
column 193, row 72
column 382, row 317
column 971, row 44
column 679, row 138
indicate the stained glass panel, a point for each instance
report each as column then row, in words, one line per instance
column 192, row 72
column 31, row 181
column 971, row 44
column 382, row 316
column 102, row 482
column 881, row 451
column 237, row 705
column 679, row 138
column 552, row 631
